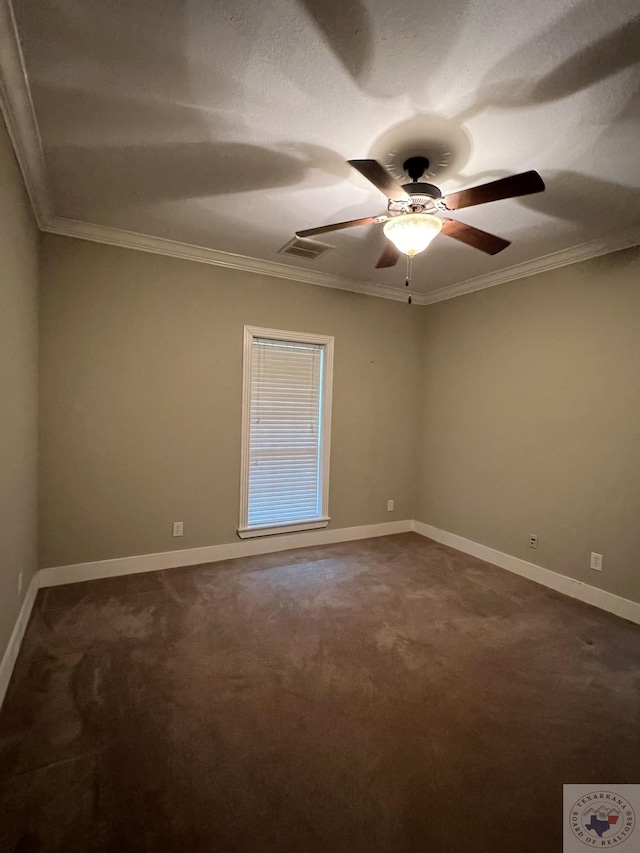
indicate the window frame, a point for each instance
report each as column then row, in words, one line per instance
column 326, row 341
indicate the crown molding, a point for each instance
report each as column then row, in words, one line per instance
column 17, row 108
column 19, row 115
column 565, row 257
column 204, row 255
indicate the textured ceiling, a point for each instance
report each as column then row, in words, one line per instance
column 227, row 124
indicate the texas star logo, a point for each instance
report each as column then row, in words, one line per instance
column 602, row 819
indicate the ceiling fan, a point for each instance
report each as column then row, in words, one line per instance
column 413, row 216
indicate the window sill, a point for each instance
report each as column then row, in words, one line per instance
column 272, row 529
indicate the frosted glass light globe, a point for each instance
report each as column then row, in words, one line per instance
column 411, row 233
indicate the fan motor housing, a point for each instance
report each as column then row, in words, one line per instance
column 420, row 189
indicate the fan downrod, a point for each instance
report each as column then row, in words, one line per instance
column 415, row 167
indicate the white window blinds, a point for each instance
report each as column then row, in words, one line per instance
column 285, row 442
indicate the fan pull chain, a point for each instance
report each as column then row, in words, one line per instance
column 408, row 278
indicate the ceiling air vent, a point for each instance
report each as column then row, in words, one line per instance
column 301, row 247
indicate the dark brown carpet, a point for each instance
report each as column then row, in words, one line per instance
column 384, row 695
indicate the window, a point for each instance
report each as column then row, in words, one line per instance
column 286, row 422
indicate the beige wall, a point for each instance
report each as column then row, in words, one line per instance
column 531, row 419
column 509, row 411
column 141, row 364
column 18, row 387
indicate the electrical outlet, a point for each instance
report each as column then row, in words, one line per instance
column 390, row 505
column 19, row 583
column 596, row 561
column 178, row 529
column 533, row 540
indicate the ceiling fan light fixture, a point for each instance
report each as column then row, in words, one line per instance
column 411, row 233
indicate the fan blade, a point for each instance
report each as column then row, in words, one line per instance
column 482, row 240
column 380, row 178
column 526, row 183
column 389, row 257
column 323, row 229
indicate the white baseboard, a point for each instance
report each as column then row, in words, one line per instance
column 58, row 575
column 11, row 652
column 623, row 607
